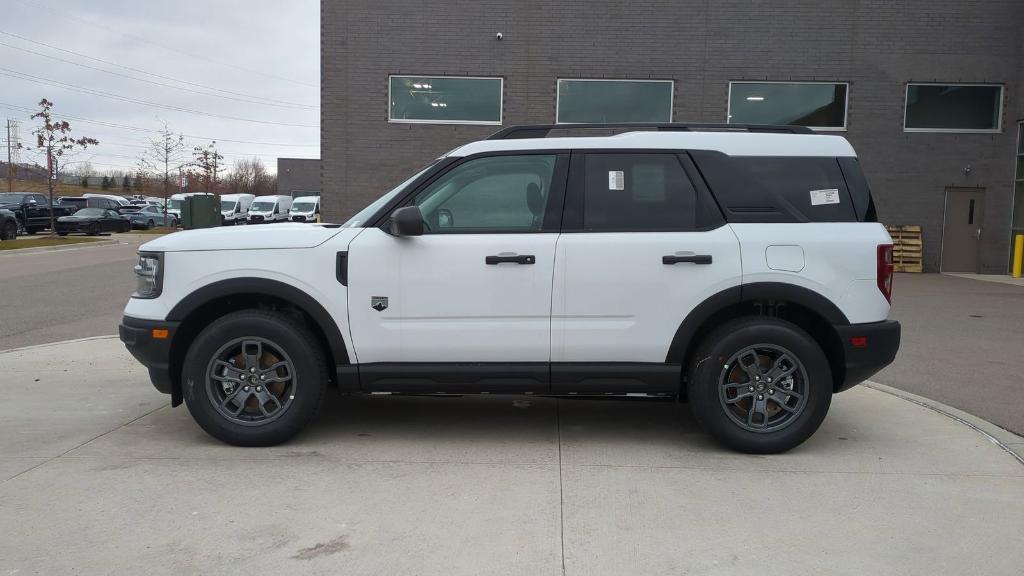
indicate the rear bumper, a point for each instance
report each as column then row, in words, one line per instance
column 153, row 353
column 867, row 349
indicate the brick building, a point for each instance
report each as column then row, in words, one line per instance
column 298, row 176
column 928, row 92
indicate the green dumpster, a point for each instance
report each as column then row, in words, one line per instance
column 200, row 211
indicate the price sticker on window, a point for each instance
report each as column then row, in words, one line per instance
column 616, row 180
column 819, row 197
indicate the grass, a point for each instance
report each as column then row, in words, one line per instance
column 43, row 242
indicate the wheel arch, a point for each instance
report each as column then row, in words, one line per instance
column 205, row 305
column 806, row 308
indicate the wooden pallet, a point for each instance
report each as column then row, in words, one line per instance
column 907, row 245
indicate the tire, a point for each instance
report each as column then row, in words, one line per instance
column 93, row 230
column 150, row 225
column 62, row 234
column 31, row 231
column 9, row 231
column 283, row 340
column 721, row 397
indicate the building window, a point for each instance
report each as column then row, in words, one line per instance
column 953, row 108
column 817, row 105
column 444, row 100
column 613, row 101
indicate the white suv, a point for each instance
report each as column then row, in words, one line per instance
column 739, row 268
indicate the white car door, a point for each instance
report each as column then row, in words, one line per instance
column 465, row 306
column 640, row 247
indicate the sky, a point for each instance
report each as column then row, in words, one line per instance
column 212, row 69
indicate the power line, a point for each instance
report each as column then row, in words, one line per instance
column 64, row 14
column 153, row 130
column 46, row 81
column 155, row 83
column 141, row 71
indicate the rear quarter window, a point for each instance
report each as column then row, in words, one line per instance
column 777, row 188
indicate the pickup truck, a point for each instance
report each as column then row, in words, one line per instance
column 32, row 210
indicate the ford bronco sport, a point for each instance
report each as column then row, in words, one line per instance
column 739, row 268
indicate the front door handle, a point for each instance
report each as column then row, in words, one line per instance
column 513, row 258
column 692, row 258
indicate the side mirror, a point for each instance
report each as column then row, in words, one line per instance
column 407, row 221
column 32, row 202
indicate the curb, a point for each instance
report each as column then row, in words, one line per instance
column 59, row 342
column 1001, row 437
column 77, row 245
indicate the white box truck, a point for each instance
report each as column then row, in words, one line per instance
column 305, row 209
column 234, row 208
column 267, row 209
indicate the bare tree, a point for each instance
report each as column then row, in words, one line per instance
column 207, row 162
column 165, row 154
column 53, row 139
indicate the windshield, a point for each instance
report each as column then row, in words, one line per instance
column 377, row 204
column 227, row 205
column 174, row 204
column 11, row 198
column 88, row 212
column 262, row 206
column 303, row 206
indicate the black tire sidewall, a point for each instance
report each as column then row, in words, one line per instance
column 310, row 374
column 730, row 339
column 9, row 231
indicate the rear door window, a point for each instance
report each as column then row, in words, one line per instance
column 637, row 192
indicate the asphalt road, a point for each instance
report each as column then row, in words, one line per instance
column 74, row 292
column 963, row 339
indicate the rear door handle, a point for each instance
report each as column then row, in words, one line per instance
column 513, row 258
column 692, row 258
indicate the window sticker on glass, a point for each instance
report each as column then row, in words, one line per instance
column 830, row 196
column 616, row 180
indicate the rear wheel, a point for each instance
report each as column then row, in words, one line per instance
column 254, row 378
column 760, row 385
column 93, row 229
column 150, row 225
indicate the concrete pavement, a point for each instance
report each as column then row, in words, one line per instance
column 100, row 476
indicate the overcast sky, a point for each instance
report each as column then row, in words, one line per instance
column 257, row 61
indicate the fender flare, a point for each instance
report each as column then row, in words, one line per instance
column 286, row 292
column 804, row 297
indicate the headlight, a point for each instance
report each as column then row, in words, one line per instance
column 149, row 275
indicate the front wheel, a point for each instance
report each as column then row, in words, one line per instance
column 760, row 385
column 9, row 231
column 150, row 225
column 254, row 378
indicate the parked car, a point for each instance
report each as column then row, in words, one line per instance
column 121, row 201
column 266, row 209
column 93, row 221
column 305, row 209
column 31, row 210
column 8, row 225
column 149, row 216
column 76, row 203
column 743, row 270
column 234, row 208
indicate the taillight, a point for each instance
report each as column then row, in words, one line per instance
column 885, row 270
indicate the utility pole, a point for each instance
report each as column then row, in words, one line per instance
column 10, row 166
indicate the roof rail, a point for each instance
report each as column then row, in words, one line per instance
column 542, row 130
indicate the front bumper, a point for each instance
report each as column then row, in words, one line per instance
column 154, row 353
column 867, row 348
